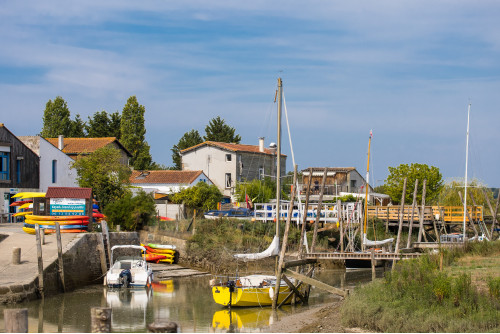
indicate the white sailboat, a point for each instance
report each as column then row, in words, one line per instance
column 256, row 290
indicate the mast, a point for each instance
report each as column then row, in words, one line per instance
column 366, row 191
column 466, row 164
column 278, row 157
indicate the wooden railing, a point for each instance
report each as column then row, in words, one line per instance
column 450, row 214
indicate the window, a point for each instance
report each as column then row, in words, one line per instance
column 228, row 180
column 261, row 173
column 54, row 171
column 18, row 170
column 4, row 165
column 228, row 157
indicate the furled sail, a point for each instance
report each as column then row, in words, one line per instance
column 368, row 242
column 272, row 250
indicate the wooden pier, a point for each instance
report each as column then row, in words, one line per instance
column 361, row 256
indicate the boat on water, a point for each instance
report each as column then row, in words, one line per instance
column 251, row 290
column 129, row 271
column 235, row 213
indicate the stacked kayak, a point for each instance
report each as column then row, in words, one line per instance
column 24, row 202
column 161, row 253
column 67, row 224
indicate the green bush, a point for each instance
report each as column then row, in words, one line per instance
column 131, row 212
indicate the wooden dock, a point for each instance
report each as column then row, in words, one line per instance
column 446, row 214
column 360, row 256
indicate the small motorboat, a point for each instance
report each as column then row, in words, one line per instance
column 236, row 213
column 129, row 271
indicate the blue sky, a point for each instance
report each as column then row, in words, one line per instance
column 406, row 69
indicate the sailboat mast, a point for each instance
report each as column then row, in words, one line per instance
column 366, row 191
column 278, row 157
column 466, row 165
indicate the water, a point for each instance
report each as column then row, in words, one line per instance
column 186, row 301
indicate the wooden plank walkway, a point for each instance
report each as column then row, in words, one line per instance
column 448, row 214
column 361, row 256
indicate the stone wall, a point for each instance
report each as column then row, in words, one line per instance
column 82, row 266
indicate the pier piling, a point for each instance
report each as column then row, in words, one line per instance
column 16, row 320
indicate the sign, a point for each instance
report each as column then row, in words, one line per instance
column 67, row 206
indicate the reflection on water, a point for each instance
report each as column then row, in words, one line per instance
column 186, row 301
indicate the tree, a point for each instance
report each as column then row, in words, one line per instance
column 394, row 182
column 102, row 124
column 131, row 212
column 218, row 130
column 133, row 134
column 56, row 119
column 189, row 139
column 201, row 196
column 103, row 172
column 449, row 194
column 77, row 128
column 259, row 191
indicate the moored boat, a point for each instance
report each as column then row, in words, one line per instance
column 251, row 290
column 236, row 213
column 129, row 271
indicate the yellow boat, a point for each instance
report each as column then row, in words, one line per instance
column 22, row 213
column 252, row 290
column 29, row 195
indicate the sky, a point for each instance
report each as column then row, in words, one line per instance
column 407, row 70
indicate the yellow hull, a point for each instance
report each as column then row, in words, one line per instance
column 242, row 296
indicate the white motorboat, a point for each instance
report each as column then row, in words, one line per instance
column 129, row 271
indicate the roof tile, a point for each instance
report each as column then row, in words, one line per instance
column 164, row 176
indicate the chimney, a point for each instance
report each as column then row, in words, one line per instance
column 60, row 142
column 261, row 144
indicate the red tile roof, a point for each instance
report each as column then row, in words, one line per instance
column 85, row 145
column 164, row 176
column 232, row 147
column 68, row 192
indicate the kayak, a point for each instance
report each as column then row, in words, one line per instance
column 61, row 222
column 29, row 195
column 51, row 231
column 54, row 218
column 22, row 213
column 159, row 251
column 62, row 227
column 28, row 205
column 158, row 246
column 19, row 203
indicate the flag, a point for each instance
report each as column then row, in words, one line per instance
column 247, row 200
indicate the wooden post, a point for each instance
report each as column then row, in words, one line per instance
column 100, row 319
column 42, row 236
column 41, row 307
column 16, row 255
column 422, row 211
column 441, row 260
column 372, row 258
column 488, row 235
column 102, row 254
column 304, row 219
column 60, row 256
column 400, row 228
column 105, row 232
column 318, row 210
column 285, row 240
column 387, row 222
column 194, row 221
column 16, row 320
column 118, row 228
column 40, row 259
column 412, row 210
column 341, row 221
column 493, row 213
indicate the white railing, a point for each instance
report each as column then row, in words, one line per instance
column 351, row 212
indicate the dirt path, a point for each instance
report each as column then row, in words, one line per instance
column 321, row 319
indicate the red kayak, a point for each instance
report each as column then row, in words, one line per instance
column 154, row 257
column 19, row 203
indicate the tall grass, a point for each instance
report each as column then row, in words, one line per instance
column 417, row 297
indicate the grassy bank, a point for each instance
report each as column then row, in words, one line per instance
column 419, row 297
column 214, row 242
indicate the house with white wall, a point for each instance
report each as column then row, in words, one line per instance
column 167, row 181
column 55, row 166
column 227, row 163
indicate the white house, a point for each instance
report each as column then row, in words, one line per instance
column 226, row 163
column 167, row 181
column 55, row 166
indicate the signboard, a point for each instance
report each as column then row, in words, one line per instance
column 67, row 206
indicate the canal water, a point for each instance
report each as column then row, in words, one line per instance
column 186, row 301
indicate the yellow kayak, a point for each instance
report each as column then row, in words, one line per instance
column 29, row 195
column 23, row 213
column 58, row 218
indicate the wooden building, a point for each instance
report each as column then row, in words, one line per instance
column 19, row 170
column 339, row 180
